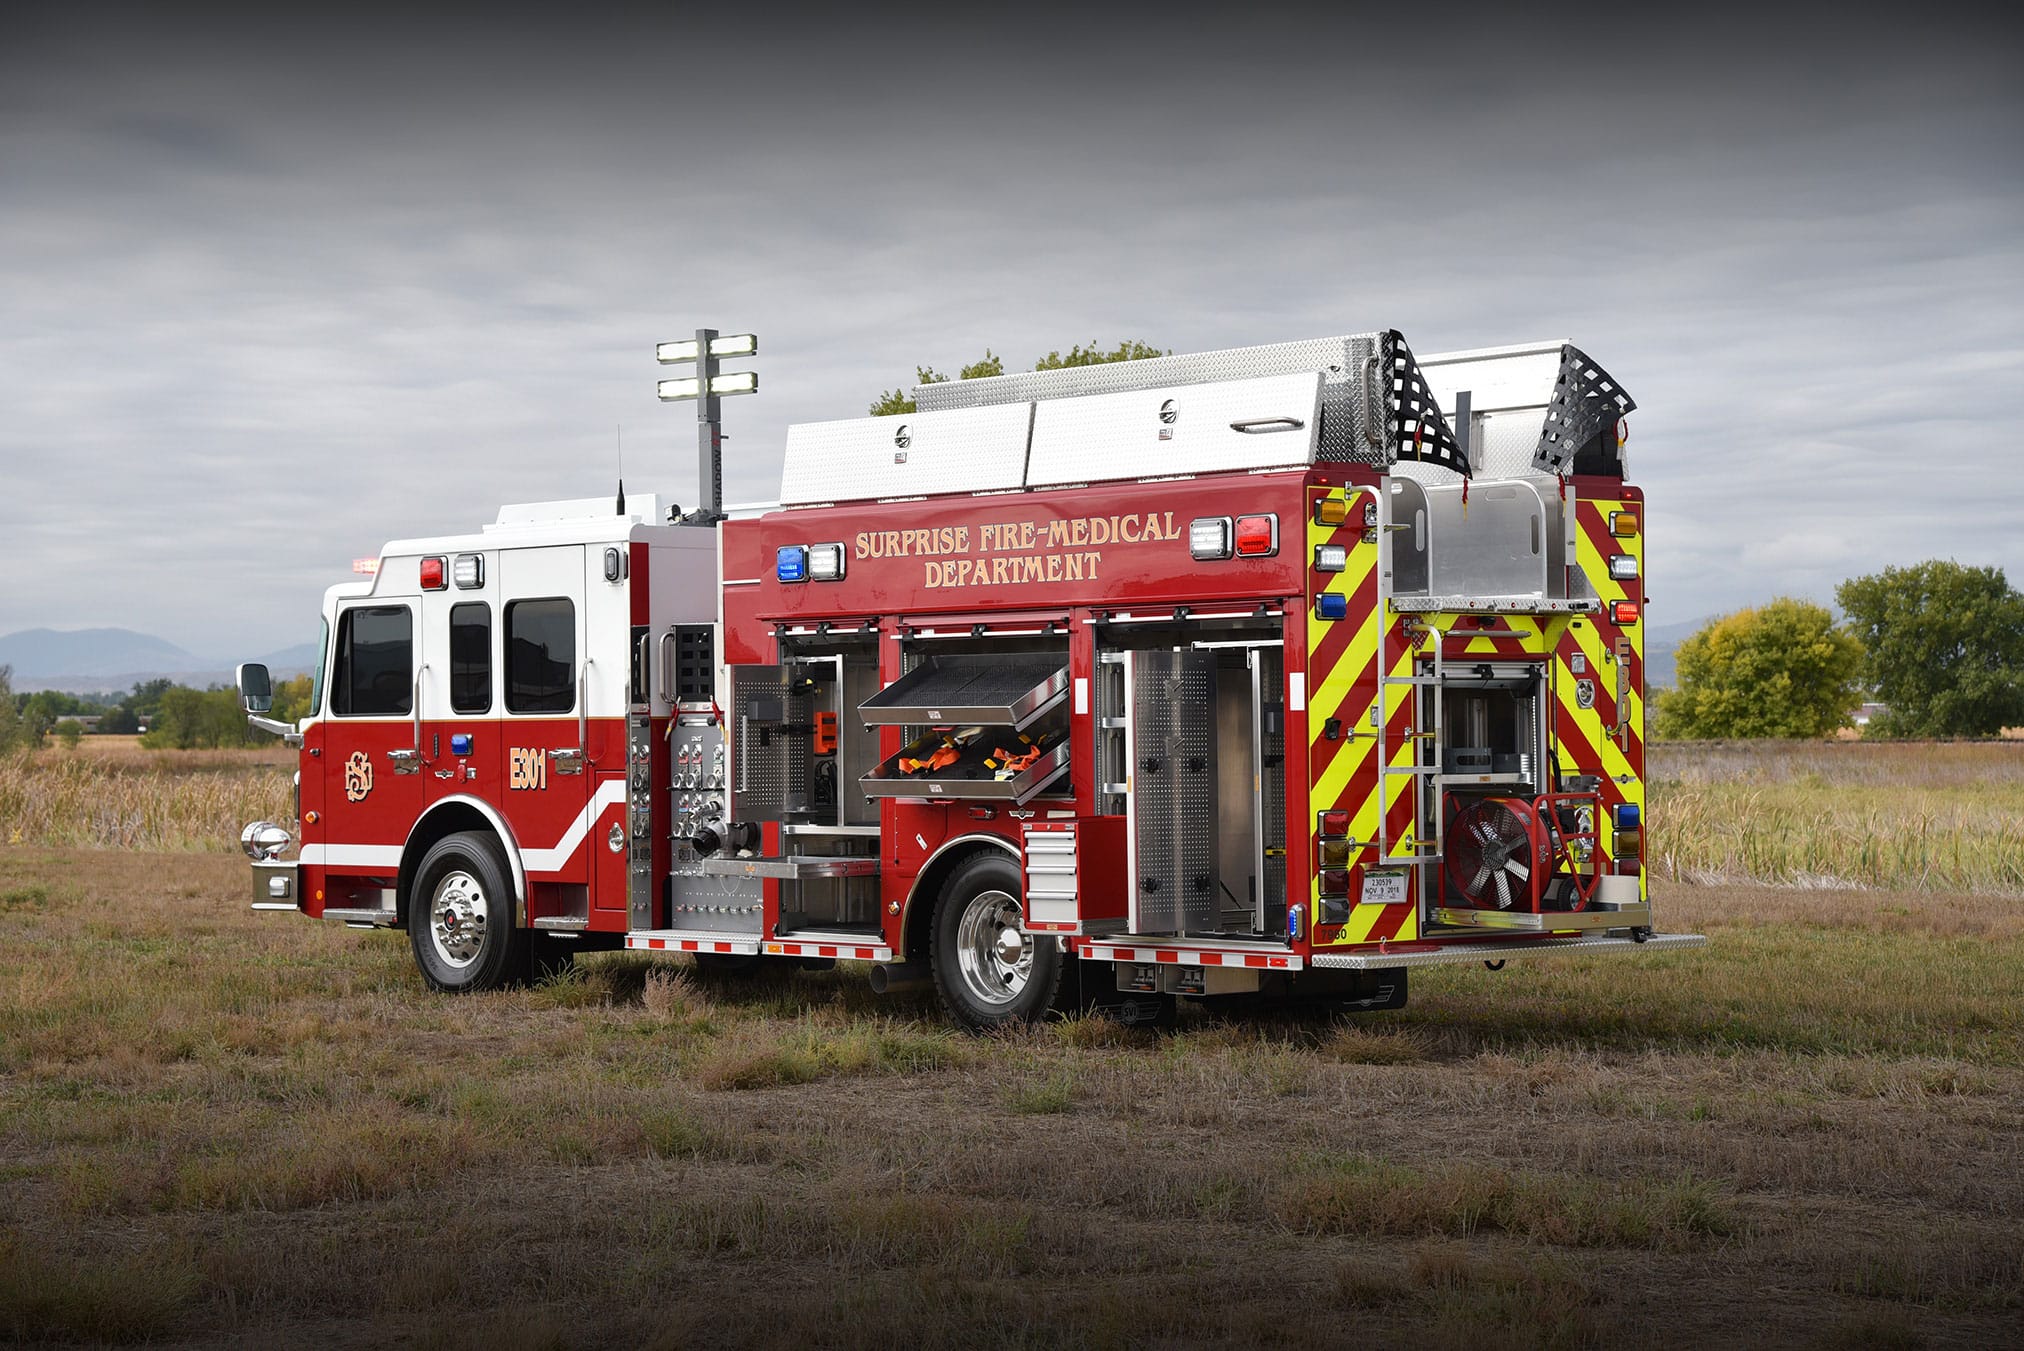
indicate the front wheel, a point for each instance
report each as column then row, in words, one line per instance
column 988, row 971
column 460, row 917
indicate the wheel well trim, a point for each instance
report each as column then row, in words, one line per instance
column 499, row 828
column 970, row 840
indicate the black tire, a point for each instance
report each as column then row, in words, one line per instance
column 987, row 972
column 460, row 917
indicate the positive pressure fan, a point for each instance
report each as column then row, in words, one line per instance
column 1499, row 854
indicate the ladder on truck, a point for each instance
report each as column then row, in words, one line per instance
column 1415, row 851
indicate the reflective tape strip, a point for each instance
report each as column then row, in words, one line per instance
column 874, row 953
column 1264, row 961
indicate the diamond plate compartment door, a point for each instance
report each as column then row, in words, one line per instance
column 770, row 748
column 1172, row 799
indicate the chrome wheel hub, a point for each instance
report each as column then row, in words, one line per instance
column 457, row 919
column 994, row 958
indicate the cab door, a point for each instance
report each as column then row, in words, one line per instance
column 377, row 764
column 546, row 780
column 460, row 699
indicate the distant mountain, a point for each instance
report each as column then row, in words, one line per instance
column 83, row 661
column 91, row 652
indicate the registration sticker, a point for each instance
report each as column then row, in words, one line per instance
column 1383, row 886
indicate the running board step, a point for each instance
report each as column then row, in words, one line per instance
column 1465, row 953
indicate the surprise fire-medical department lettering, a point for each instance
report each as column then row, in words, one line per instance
column 1002, row 553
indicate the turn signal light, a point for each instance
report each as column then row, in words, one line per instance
column 1331, row 510
column 1334, row 853
column 432, row 575
column 1623, row 524
column 1624, row 612
column 1257, row 536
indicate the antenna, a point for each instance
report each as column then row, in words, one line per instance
column 621, row 469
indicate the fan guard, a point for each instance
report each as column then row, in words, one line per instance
column 1499, row 854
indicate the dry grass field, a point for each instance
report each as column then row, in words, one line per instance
column 218, row 1128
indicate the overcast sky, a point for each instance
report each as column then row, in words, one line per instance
column 274, row 290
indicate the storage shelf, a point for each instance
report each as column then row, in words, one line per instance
column 996, row 691
column 956, row 781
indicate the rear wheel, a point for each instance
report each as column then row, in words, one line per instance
column 460, row 917
column 988, row 971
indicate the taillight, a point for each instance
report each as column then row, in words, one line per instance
column 432, row 575
column 1257, row 536
column 1624, row 611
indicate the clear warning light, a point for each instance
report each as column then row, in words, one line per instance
column 368, row 567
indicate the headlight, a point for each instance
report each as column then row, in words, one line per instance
column 263, row 840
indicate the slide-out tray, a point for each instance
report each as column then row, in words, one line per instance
column 955, row 780
column 943, row 691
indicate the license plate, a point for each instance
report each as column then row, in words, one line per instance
column 1384, row 886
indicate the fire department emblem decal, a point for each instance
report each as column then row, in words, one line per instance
column 357, row 777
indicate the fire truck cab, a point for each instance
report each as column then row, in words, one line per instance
column 1266, row 673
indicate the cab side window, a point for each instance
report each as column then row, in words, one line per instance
column 471, row 658
column 540, row 656
column 375, row 662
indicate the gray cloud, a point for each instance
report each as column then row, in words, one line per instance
column 273, row 291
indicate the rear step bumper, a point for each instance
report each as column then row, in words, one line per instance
column 1465, row 953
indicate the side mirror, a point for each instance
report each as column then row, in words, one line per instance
column 256, row 687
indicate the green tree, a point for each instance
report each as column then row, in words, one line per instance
column 10, row 717
column 1781, row 670
column 68, row 731
column 894, row 401
column 190, row 719
column 291, row 699
column 146, row 698
column 119, row 722
column 1944, row 645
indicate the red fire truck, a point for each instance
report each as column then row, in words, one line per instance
column 1270, row 673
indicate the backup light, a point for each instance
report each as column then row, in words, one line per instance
column 432, row 575
column 1624, row 612
column 790, row 564
column 1209, row 537
column 1331, row 557
column 469, row 571
column 1331, row 605
column 1257, row 536
column 825, row 562
column 1622, row 567
column 1331, row 510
